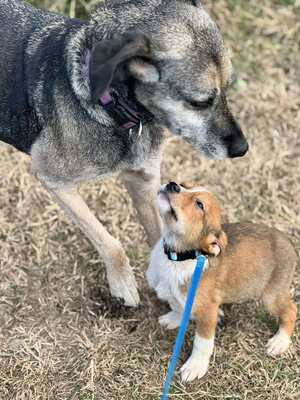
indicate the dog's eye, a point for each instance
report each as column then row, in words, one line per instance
column 202, row 105
column 200, row 204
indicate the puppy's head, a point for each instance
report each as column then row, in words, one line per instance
column 192, row 219
column 173, row 54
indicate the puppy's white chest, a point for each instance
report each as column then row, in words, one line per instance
column 168, row 277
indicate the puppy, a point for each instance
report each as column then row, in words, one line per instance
column 245, row 262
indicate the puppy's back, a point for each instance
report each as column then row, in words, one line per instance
column 256, row 256
column 279, row 242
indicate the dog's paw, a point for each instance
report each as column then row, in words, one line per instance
column 278, row 344
column 171, row 320
column 124, row 286
column 194, row 368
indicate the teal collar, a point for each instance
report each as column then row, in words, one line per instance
column 182, row 256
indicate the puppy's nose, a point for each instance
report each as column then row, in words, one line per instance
column 172, row 187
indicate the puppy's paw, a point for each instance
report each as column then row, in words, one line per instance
column 279, row 343
column 194, row 368
column 124, row 286
column 171, row 320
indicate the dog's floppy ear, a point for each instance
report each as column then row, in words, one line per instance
column 108, row 55
column 214, row 242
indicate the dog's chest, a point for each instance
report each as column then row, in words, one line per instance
column 168, row 278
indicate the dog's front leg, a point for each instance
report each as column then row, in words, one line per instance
column 143, row 185
column 119, row 274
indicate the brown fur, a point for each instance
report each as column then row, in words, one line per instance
column 253, row 262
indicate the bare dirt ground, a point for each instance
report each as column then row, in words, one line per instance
column 62, row 337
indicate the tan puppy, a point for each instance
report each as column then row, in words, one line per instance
column 246, row 261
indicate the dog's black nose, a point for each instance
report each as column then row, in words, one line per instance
column 236, row 142
column 172, row 187
column 239, row 149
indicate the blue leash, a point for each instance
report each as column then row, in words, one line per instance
column 200, row 266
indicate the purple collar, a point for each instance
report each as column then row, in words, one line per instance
column 121, row 112
column 126, row 112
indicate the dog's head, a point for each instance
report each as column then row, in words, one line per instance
column 173, row 54
column 191, row 218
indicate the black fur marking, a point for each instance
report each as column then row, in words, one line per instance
column 20, row 72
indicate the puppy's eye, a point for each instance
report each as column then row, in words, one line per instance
column 200, row 204
column 202, row 105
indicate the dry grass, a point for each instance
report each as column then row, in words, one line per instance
column 61, row 338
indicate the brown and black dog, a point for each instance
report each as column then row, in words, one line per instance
column 245, row 262
column 92, row 99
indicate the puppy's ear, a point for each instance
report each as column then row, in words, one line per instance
column 109, row 55
column 214, row 242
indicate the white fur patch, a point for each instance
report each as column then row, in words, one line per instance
column 193, row 190
column 279, row 343
column 163, row 204
column 167, row 277
column 197, row 365
column 171, row 320
column 198, row 189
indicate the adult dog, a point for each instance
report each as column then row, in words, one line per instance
column 88, row 100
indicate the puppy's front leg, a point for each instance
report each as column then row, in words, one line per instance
column 197, row 365
column 119, row 274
